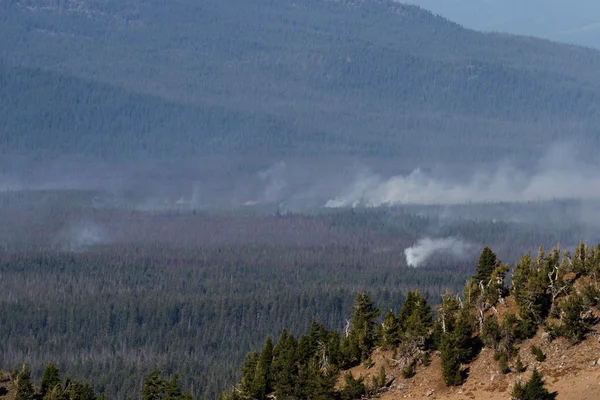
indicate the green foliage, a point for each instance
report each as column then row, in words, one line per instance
column 486, row 265
column 590, row 295
column 362, row 337
column 353, row 388
column 24, row 385
column 533, row 389
column 50, row 379
column 426, row 359
column 519, row 367
column 456, row 345
column 389, row 331
column 83, row 391
column 531, row 283
column 490, row 333
column 451, row 366
column 538, row 353
column 415, row 318
column 573, row 326
column 154, row 388
column 502, row 365
column 527, row 326
column 380, row 380
column 285, row 367
column 409, row 370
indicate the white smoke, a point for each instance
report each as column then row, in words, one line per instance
column 82, row 236
column 427, row 247
column 558, row 176
column 274, row 181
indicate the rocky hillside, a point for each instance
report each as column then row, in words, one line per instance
column 537, row 340
column 570, row 371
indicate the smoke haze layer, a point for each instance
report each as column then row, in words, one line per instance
column 558, row 175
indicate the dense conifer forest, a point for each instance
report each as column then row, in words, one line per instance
column 111, row 294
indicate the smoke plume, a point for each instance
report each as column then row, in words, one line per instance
column 425, row 248
column 559, row 175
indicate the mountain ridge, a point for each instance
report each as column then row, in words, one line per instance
column 364, row 79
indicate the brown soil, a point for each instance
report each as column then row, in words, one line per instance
column 573, row 371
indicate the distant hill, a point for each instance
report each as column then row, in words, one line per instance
column 570, row 22
column 283, row 78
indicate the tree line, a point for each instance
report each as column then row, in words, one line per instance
column 20, row 386
column 554, row 290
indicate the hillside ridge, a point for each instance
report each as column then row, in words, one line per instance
column 320, row 78
column 489, row 342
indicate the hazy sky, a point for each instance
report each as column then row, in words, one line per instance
column 571, row 21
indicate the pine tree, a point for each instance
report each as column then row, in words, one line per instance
column 532, row 390
column 502, row 365
column 50, row 378
column 320, row 382
column 417, row 320
column 461, row 336
column 389, row 333
column 362, row 333
column 154, row 386
column 264, row 367
column 538, row 353
column 449, row 356
column 485, row 266
column 79, row 391
column 24, row 385
column 573, row 326
column 519, row 367
column 285, row 366
column 173, row 390
column 354, row 388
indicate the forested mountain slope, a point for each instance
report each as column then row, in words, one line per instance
column 372, row 78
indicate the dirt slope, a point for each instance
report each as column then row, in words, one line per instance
column 573, row 371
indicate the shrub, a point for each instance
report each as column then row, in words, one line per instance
column 538, row 353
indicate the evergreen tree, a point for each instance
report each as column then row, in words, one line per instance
column 354, row 388
column 389, row 332
column 173, row 390
column 320, row 382
column 502, row 365
column 461, row 336
column 24, row 385
column 263, row 373
column 538, row 353
column 490, row 334
column 530, row 285
column 285, row 367
column 449, row 357
column 154, row 386
column 533, row 389
column 485, row 266
column 55, row 393
column 456, row 347
column 50, row 379
column 416, row 319
column 573, row 325
column 249, row 385
column 79, row 391
column 519, row 367
column 362, row 333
